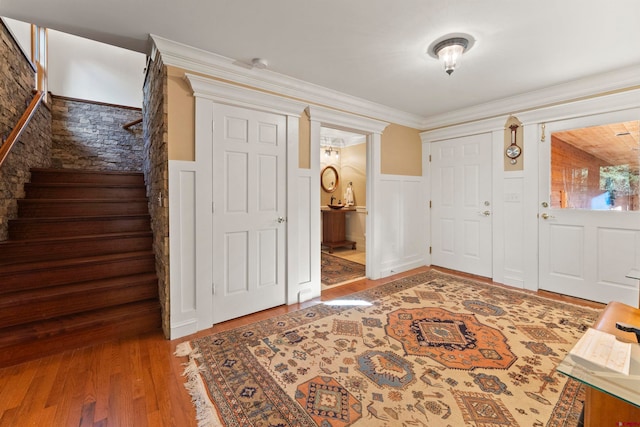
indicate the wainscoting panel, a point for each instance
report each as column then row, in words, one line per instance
column 513, row 231
column 403, row 233
column 182, row 229
column 304, row 230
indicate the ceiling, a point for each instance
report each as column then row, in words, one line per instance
column 375, row 49
column 615, row 144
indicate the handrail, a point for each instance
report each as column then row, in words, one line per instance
column 20, row 126
column 135, row 122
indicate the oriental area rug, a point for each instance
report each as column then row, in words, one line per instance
column 334, row 270
column 426, row 350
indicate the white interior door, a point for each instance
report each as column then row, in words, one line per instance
column 249, row 186
column 587, row 245
column 461, row 204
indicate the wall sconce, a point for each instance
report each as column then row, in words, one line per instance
column 450, row 50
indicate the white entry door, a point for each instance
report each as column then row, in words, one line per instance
column 589, row 229
column 461, row 204
column 249, row 186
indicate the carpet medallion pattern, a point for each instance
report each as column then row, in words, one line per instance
column 426, row 350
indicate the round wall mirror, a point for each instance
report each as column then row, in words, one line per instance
column 329, row 179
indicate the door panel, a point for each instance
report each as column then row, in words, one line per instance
column 249, row 181
column 589, row 232
column 461, row 204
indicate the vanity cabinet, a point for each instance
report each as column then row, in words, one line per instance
column 334, row 231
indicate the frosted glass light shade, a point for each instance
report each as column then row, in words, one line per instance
column 450, row 52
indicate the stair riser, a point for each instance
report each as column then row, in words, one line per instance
column 11, row 253
column 16, row 348
column 89, row 178
column 19, row 230
column 18, row 313
column 38, row 209
column 30, row 279
column 85, row 193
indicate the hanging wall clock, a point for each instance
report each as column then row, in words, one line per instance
column 513, row 151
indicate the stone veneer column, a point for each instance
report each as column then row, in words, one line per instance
column 156, row 170
column 33, row 149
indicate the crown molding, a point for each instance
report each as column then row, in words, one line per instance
column 464, row 129
column 566, row 92
column 345, row 121
column 586, row 107
column 227, row 93
column 197, row 60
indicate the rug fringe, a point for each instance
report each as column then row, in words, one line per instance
column 206, row 413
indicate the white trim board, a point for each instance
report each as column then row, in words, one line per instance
column 214, row 65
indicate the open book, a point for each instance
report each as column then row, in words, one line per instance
column 604, row 350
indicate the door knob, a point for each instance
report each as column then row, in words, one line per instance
column 485, row 213
column 545, row 215
column 281, row 220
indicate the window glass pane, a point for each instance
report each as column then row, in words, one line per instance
column 596, row 168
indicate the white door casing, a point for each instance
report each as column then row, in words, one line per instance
column 461, row 204
column 321, row 116
column 586, row 253
column 249, row 189
column 192, row 278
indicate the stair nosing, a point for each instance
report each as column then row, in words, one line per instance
column 82, row 218
column 84, row 171
column 65, row 263
column 106, row 200
column 82, row 185
column 42, row 294
column 103, row 236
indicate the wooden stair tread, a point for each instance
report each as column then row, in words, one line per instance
column 81, row 218
column 81, row 185
column 82, row 201
column 84, row 171
column 9, row 299
column 53, row 264
column 71, row 239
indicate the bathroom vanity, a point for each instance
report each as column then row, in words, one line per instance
column 334, row 230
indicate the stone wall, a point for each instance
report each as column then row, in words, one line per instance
column 156, row 170
column 17, row 81
column 89, row 135
column 33, row 149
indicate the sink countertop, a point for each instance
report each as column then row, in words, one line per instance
column 348, row 209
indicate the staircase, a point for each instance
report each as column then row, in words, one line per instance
column 78, row 267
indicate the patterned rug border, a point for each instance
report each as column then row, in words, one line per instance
column 207, row 411
column 350, row 278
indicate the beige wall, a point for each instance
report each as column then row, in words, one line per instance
column 354, row 169
column 325, row 197
column 304, row 153
column 181, row 112
column 401, row 151
column 401, row 145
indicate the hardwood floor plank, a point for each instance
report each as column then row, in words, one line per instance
column 132, row 382
column 19, row 376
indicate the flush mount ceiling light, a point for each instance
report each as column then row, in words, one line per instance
column 449, row 50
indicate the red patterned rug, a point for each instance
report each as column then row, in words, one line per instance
column 334, row 270
column 426, row 350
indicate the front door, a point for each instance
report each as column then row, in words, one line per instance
column 589, row 219
column 249, row 186
column 461, row 204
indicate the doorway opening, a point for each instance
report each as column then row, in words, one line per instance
column 343, row 182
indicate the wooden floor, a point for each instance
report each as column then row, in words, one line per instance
column 133, row 382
